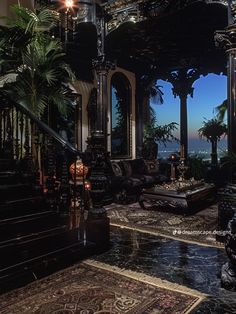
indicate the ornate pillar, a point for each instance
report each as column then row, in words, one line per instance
column 101, row 67
column 227, row 40
column 98, row 222
column 182, row 81
column 100, row 128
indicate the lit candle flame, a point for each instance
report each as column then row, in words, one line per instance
column 69, row 3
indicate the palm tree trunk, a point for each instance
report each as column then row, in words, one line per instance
column 184, row 125
column 214, row 159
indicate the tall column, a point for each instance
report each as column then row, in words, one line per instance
column 231, row 116
column 100, row 128
column 102, row 67
column 101, row 194
column 227, row 40
column 182, row 81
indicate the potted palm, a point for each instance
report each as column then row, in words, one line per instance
column 154, row 134
column 35, row 59
column 213, row 130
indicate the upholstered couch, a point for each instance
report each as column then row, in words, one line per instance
column 129, row 177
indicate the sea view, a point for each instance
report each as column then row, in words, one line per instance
column 197, row 147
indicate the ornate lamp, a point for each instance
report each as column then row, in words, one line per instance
column 78, row 171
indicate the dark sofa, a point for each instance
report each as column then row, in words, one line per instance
column 130, row 177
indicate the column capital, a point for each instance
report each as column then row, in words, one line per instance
column 182, row 81
column 102, row 66
column 226, row 38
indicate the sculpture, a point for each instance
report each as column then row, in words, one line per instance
column 228, row 272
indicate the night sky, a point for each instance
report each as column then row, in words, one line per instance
column 209, row 91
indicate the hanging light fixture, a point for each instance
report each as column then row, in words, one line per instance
column 72, row 13
column 69, row 4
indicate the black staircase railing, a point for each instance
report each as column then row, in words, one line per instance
column 45, row 201
column 42, row 154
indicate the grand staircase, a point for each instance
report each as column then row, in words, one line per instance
column 37, row 234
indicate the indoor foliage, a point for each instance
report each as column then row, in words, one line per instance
column 32, row 60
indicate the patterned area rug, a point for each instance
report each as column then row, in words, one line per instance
column 85, row 289
column 200, row 227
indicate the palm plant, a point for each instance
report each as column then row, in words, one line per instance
column 221, row 110
column 37, row 59
column 213, row 130
column 154, row 134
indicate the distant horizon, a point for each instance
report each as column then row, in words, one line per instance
column 209, row 92
column 199, row 147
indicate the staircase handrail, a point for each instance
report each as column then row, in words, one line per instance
column 47, row 129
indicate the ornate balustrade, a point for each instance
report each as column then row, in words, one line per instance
column 39, row 153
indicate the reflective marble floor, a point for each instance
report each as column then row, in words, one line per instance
column 190, row 265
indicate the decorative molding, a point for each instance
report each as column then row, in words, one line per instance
column 182, row 81
column 226, row 39
column 122, row 15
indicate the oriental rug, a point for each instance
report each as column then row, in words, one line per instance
column 86, row 289
column 200, row 227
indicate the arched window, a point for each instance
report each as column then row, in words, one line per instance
column 120, row 116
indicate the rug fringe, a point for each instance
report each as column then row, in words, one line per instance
column 157, row 233
column 147, row 279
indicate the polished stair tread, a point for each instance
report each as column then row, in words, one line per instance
column 24, row 239
column 32, row 245
column 21, row 225
column 22, row 206
column 7, row 164
column 21, row 273
column 25, row 217
column 14, row 191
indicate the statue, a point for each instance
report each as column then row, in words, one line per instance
column 228, row 272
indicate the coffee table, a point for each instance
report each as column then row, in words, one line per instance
column 182, row 198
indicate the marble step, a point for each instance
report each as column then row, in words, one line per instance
column 9, row 177
column 27, row 247
column 7, row 164
column 19, row 226
column 19, row 274
column 9, row 192
column 23, row 205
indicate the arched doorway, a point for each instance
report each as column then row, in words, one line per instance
column 120, row 116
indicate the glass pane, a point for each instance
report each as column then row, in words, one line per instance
column 120, row 141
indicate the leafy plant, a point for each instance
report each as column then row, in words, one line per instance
column 28, row 51
column 213, row 130
column 154, row 134
column 159, row 133
column 221, row 110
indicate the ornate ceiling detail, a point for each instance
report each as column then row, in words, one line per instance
column 126, row 14
column 121, row 11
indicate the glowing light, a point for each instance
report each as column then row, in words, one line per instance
column 69, row 3
column 87, row 186
column 132, row 19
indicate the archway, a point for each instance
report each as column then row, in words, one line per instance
column 120, row 116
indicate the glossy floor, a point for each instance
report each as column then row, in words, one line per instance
column 191, row 265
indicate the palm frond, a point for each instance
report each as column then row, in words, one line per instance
column 42, row 74
column 212, row 129
column 221, row 110
column 156, row 94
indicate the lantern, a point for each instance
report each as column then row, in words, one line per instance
column 78, row 170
